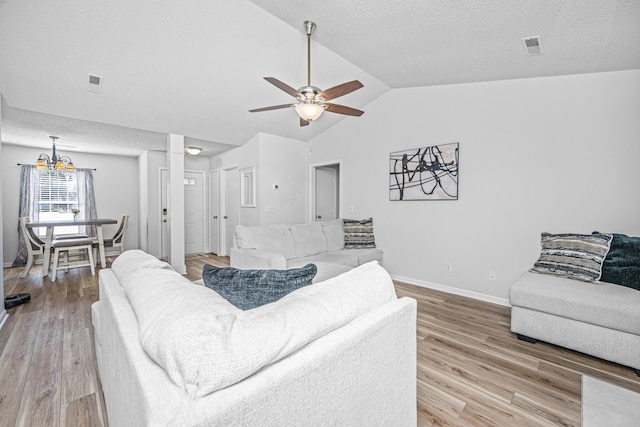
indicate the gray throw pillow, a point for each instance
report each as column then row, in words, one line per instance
column 576, row 256
column 358, row 234
column 247, row 289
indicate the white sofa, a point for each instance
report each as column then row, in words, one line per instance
column 597, row 318
column 174, row 353
column 290, row 246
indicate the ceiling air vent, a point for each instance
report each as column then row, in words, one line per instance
column 94, row 83
column 532, row 45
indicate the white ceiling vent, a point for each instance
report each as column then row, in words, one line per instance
column 532, row 45
column 94, row 83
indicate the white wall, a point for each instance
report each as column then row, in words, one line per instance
column 115, row 184
column 555, row 154
column 283, row 162
column 244, row 156
column 278, row 160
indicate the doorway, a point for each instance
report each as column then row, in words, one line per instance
column 229, row 206
column 194, row 196
column 325, row 192
column 214, row 212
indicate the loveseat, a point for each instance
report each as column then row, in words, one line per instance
column 174, row 353
column 291, row 246
column 590, row 315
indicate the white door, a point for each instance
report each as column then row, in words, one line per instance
column 193, row 212
column 214, row 213
column 230, row 208
column 326, row 193
column 165, row 240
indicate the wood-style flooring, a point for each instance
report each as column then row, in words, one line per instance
column 471, row 370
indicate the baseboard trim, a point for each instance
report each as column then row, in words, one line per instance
column 452, row 290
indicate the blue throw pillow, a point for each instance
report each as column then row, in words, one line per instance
column 247, row 289
column 622, row 264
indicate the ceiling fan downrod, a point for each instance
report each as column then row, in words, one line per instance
column 309, row 26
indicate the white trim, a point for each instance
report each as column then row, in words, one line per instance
column 312, row 187
column 211, row 221
column 451, row 290
column 205, row 197
column 3, row 317
column 224, row 170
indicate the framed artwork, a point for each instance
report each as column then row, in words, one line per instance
column 248, row 187
column 428, row 173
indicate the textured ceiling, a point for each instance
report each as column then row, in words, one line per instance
column 413, row 43
column 195, row 67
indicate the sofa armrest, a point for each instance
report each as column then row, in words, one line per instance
column 255, row 259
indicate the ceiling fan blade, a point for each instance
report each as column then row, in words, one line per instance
column 304, row 122
column 340, row 90
column 273, row 107
column 283, row 86
column 341, row 109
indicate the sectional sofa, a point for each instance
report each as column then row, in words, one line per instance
column 174, row 353
column 290, row 246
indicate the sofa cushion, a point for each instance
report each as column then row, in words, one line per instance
column 577, row 256
column 622, row 263
column 133, row 259
column 204, row 343
column 326, row 270
column 269, row 238
column 308, row 239
column 342, row 257
column 358, row 233
column 334, row 234
column 365, row 255
column 599, row 303
column 247, row 289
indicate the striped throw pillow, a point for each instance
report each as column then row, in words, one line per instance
column 576, row 256
column 358, row 234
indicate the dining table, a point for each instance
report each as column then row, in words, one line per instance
column 51, row 225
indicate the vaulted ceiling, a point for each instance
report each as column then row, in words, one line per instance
column 195, row 67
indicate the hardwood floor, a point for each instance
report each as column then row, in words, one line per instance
column 471, row 370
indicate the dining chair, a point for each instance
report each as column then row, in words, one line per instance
column 117, row 241
column 35, row 246
column 66, row 246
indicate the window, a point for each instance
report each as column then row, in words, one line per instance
column 58, row 196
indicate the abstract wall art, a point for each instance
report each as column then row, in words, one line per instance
column 428, row 173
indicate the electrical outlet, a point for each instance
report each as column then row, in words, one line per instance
column 492, row 276
column 448, row 267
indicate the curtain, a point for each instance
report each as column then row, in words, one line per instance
column 29, row 196
column 86, row 199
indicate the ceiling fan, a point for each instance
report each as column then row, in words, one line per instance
column 312, row 100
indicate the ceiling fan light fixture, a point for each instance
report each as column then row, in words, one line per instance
column 309, row 110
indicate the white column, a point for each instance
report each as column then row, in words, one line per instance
column 3, row 312
column 175, row 163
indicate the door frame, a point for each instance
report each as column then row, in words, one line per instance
column 205, row 186
column 205, row 197
column 212, row 225
column 223, row 203
column 312, row 186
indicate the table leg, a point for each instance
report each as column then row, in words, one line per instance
column 103, row 258
column 47, row 251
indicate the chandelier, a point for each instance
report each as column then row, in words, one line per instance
column 55, row 162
